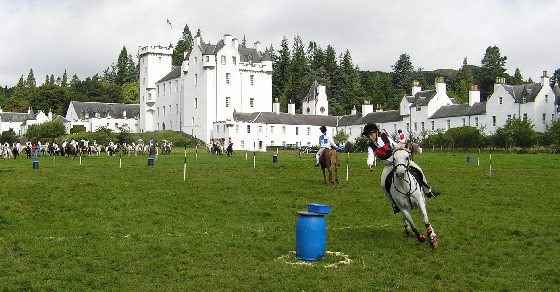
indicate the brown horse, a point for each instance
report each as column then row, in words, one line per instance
column 413, row 149
column 71, row 150
column 329, row 160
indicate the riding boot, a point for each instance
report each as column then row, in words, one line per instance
column 396, row 209
column 433, row 193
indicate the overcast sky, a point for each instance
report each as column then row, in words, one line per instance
column 84, row 37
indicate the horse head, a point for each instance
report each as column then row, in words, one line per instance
column 401, row 162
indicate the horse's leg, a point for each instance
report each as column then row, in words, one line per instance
column 324, row 176
column 429, row 230
column 407, row 217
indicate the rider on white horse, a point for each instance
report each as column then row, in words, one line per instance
column 381, row 146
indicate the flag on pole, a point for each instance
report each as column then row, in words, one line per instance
column 169, row 22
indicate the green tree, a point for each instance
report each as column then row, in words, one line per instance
column 8, row 136
column 299, row 69
column 493, row 66
column 50, row 130
column 64, row 81
column 465, row 137
column 19, row 100
column 282, row 77
column 131, row 93
column 31, row 82
column 555, row 79
column 463, row 82
column 517, row 78
column 516, row 132
column 122, row 66
column 184, row 44
column 403, row 74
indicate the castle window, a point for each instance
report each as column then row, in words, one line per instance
column 207, row 58
column 236, row 128
column 543, row 118
column 524, row 99
column 228, row 101
column 228, row 78
column 223, row 60
column 251, row 102
column 271, row 129
column 418, row 107
column 252, row 78
column 546, row 98
column 196, row 60
column 195, row 102
column 464, row 121
column 308, row 131
column 500, row 100
column 283, row 130
column 297, row 131
column 234, row 60
column 525, row 116
column 248, row 129
column 260, row 129
column 423, row 128
column 476, row 122
column 433, row 125
column 195, row 79
column 494, row 121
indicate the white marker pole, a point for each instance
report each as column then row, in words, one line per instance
column 254, row 155
column 347, row 168
column 120, row 160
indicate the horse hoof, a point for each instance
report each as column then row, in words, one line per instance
column 434, row 243
column 407, row 231
column 421, row 238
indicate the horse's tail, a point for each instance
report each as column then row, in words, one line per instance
column 333, row 158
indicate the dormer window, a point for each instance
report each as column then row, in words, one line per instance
column 418, row 107
column 524, row 99
column 223, row 60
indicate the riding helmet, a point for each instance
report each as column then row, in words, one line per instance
column 370, row 128
column 323, row 129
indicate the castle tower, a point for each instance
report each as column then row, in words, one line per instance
column 155, row 63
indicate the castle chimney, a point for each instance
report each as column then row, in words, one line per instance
column 441, row 87
column 474, row 95
column 291, row 108
column 366, row 108
column 276, row 106
column 544, row 78
column 353, row 111
column 416, row 87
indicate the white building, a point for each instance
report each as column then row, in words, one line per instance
column 19, row 122
column 213, row 83
column 93, row 115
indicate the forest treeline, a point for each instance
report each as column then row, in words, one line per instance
column 295, row 66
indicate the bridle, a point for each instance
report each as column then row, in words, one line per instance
column 409, row 181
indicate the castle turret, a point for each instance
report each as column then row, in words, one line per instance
column 474, row 95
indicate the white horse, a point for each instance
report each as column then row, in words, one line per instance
column 5, row 152
column 407, row 193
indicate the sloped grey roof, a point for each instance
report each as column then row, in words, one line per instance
column 421, row 97
column 375, row 117
column 478, row 108
column 13, row 117
column 115, row 110
column 248, row 54
column 286, row 119
column 174, row 74
column 457, row 110
column 517, row 91
column 454, row 110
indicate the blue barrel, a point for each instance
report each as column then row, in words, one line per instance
column 35, row 163
column 274, row 158
column 151, row 160
column 311, row 236
column 469, row 159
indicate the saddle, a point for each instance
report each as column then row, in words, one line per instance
column 414, row 171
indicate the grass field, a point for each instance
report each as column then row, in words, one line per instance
column 231, row 226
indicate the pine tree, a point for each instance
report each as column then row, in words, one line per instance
column 493, row 66
column 64, row 81
column 184, row 44
column 299, row 70
column 517, row 77
column 403, row 74
column 282, row 77
column 122, row 67
column 464, row 82
column 31, row 82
